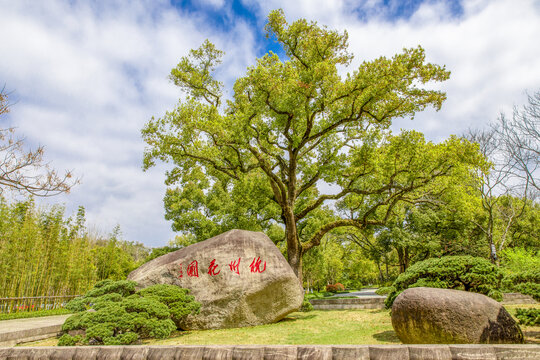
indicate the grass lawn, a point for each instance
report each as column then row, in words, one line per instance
column 315, row 327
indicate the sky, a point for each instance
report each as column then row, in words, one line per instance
column 85, row 76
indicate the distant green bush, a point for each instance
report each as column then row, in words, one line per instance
column 450, row 272
column 306, row 305
column 384, row 290
column 525, row 282
column 118, row 315
column 529, row 317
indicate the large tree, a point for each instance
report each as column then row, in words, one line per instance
column 297, row 136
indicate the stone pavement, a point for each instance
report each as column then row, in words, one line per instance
column 16, row 331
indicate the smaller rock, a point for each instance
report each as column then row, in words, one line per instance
column 442, row 316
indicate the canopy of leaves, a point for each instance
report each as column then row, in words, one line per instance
column 259, row 158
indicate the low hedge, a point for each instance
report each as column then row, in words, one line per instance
column 450, row 272
column 526, row 282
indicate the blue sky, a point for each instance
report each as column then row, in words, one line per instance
column 86, row 76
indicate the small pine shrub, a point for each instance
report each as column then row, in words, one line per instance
column 104, row 291
column 306, row 305
column 529, row 317
column 121, row 316
column 450, row 272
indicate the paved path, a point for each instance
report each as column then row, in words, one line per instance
column 361, row 293
column 21, row 330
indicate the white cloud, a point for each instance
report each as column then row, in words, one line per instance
column 86, row 79
column 88, row 75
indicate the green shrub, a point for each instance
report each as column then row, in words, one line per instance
column 306, row 305
column 384, row 290
column 121, row 316
column 103, row 291
column 526, row 282
column 450, row 272
column 529, row 317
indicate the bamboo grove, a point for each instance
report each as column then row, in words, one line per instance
column 43, row 253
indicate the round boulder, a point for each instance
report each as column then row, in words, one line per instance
column 239, row 277
column 442, row 316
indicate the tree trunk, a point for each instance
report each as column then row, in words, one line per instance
column 294, row 248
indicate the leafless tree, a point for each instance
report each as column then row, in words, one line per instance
column 520, row 137
column 25, row 171
column 513, row 149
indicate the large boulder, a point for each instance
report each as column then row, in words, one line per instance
column 441, row 316
column 239, row 277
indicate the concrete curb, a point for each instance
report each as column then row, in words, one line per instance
column 271, row 352
column 344, row 304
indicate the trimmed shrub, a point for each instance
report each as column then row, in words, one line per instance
column 529, row 317
column 334, row 288
column 450, row 272
column 526, row 282
column 119, row 317
column 104, row 291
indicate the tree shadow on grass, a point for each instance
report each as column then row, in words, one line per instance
column 297, row 317
column 387, row 336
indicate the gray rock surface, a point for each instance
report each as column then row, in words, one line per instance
column 442, row 316
column 239, row 277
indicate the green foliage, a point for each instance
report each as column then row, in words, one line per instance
column 157, row 252
column 306, row 305
column 385, row 290
column 451, row 272
column 34, row 314
column 526, row 282
column 530, row 317
column 516, row 260
column 121, row 316
column 103, row 292
column 178, row 301
column 253, row 161
column 43, row 253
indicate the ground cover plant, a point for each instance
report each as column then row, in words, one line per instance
column 33, row 314
column 119, row 315
column 450, row 272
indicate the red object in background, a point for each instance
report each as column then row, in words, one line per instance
column 212, row 268
column 234, row 266
column 193, row 269
column 256, row 265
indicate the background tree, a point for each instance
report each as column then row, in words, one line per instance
column 25, row 171
column 296, row 124
column 521, row 139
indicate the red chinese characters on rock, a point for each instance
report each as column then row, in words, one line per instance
column 180, row 272
column 256, row 265
column 193, row 269
column 212, row 268
column 234, row 265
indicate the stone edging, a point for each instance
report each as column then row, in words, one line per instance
column 278, row 352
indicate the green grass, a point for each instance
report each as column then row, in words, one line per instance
column 32, row 314
column 315, row 327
